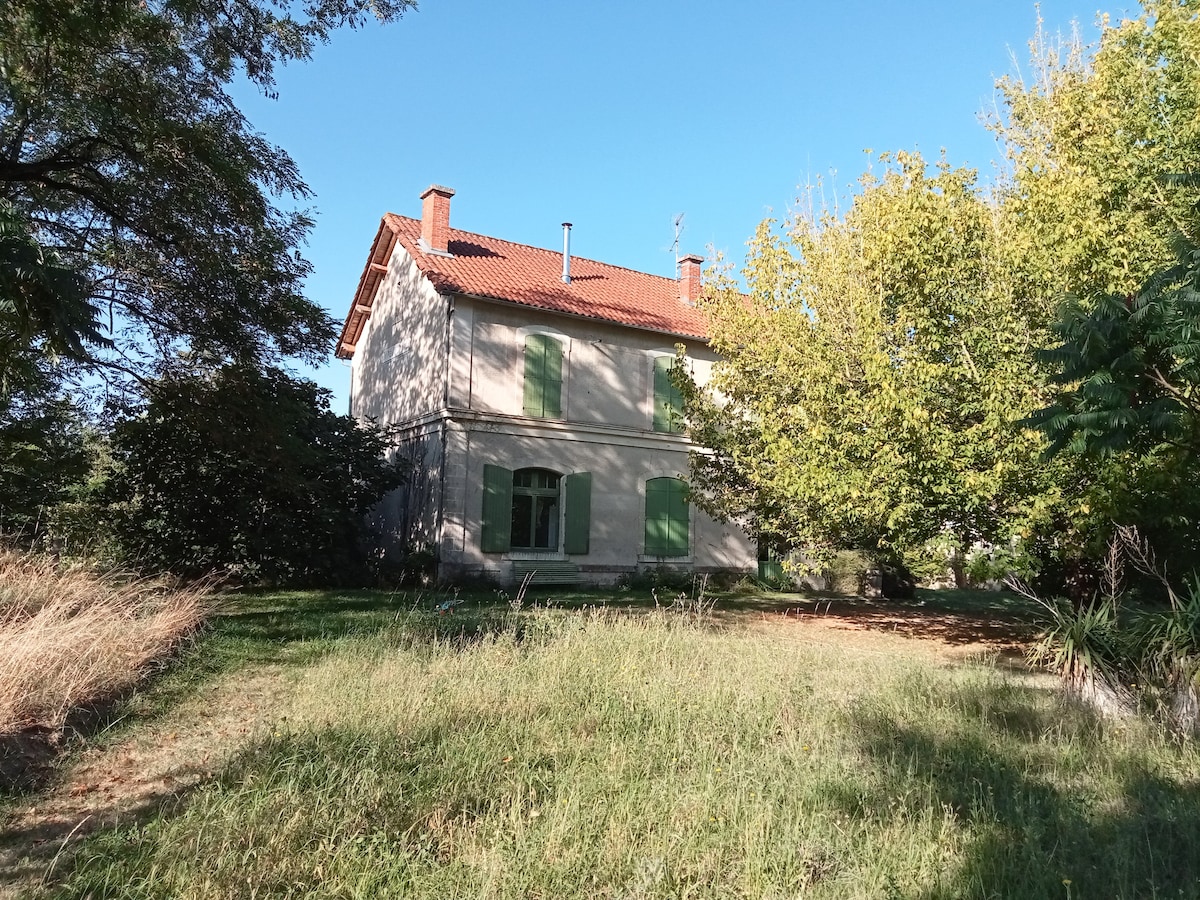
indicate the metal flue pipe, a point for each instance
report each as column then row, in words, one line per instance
column 566, row 276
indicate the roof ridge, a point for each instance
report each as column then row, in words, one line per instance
column 574, row 257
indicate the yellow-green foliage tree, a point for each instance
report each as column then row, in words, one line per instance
column 878, row 371
column 1089, row 135
column 873, row 375
column 1101, row 142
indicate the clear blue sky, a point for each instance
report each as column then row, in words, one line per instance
column 617, row 116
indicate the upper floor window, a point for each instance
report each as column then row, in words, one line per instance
column 667, row 519
column 668, row 401
column 543, row 376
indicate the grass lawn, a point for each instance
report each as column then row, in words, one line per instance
column 632, row 752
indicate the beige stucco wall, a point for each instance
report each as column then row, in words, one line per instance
column 620, row 465
column 607, row 369
column 408, row 518
column 398, row 372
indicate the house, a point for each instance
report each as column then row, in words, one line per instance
column 535, row 404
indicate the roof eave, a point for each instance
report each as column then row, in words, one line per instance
column 448, row 289
column 368, row 285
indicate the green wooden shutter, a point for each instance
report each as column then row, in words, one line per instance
column 552, row 379
column 534, row 359
column 770, row 570
column 497, row 509
column 678, row 528
column 543, row 376
column 666, row 517
column 579, row 512
column 658, row 501
column 662, row 413
column 668, row 401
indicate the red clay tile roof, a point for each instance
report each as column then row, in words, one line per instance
column 517, row 273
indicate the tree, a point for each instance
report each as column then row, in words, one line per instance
column 1085, row 211
column 871, row 379
column 1087, row 136
column 44, row 308
column 247, row 472
column 880, row 368
column 1128, row 373
column 139, row 211
column 1129, row 367
column 43, row 456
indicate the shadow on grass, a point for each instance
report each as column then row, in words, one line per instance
column 1047, row 806
column 956, row 617
column 374, row 803
column 296, row 628
column 32, row 854
column 248, row 630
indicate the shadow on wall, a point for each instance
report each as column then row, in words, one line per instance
column 405, row 520
column 399, row 371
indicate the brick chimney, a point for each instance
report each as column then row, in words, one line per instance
column 689, row 278
column 435, row 219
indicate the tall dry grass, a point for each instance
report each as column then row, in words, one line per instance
column 70, row 635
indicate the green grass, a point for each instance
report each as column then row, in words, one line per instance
column 563, row 754
column 296, row 628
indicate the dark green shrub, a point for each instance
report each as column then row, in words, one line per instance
column 848, row 572
column 247, row 472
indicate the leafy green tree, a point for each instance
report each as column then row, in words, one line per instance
column 872, row 377
column 44, row 309
column 877, row 371
column 43, row 457
column 1130, row 368
column 248, row 472
column 1128, row 371
column 1088, row 133
column 1084, row 209
column 139, row 210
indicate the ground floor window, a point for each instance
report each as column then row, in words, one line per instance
column 535, row 510
column 522, row 510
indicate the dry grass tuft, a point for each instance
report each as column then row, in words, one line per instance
column 70, row 635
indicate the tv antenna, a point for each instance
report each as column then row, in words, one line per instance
column 677, row 222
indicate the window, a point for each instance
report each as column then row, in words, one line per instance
column 534, row 510
column 521, row 510
column 666, row 517
column 668, row 402
column 769, row 566
column 543, row 376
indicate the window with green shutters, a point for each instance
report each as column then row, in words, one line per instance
column 666, row 517
column 521, row 510
column 668, row 402
column 543, row 376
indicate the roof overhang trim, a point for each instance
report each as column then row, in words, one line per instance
column 368, row 286
column 570, row 315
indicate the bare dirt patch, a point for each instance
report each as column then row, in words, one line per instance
column 884, row 625
column 131, row 779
